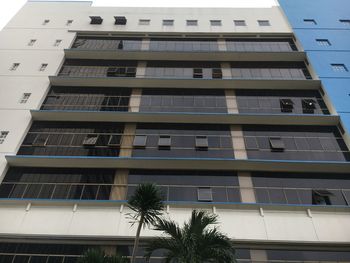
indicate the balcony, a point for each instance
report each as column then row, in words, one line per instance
column 184, row 49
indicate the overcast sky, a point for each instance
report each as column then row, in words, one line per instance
column 8, row 8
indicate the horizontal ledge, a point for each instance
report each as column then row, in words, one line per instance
column 185, row 83
column 179, row 163
column 185, row 204
column 207, row 118
column 178, row 55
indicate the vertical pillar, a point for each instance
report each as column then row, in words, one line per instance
column 226, row 70
column 127, row 140
column 238, row 142
column 141, row 69
column 231, row 101
column 258, row 256
column 145, row 44
column 135, row 100
column 246, row 187
column 119, row 191
column 222, row 44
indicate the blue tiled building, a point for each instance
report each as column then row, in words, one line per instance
column 323, row 29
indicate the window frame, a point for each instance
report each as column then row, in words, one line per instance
column 191, row 22
column 43, row 66
column 166, row 143
column 88, row 137
column 31, row 42
column 15, row 66
column 309, row 21
column 205, row 194
column 142, row 144
column 276, row 144
column 3, row 135
column 201, row 143
column 339, row 67
column 25, row 97
column 168, row 22
column 144, row 22
column 264, row 22
column 286, row 105
column 215, row 22
column 239, row 22
column 323, row 42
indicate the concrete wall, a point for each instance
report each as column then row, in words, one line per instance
column 238, row 223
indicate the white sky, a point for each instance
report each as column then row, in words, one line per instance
column 8, row 8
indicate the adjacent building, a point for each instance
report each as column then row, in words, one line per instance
column 230, row 110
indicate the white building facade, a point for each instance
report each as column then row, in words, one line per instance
column 219, row 107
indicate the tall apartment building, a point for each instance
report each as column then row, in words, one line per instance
column 221, row 107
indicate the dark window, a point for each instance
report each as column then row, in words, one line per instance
column 310, row 21
column 205, row 194
column 345, row 21
column 276, row 143
column 215, row 22
column 130, row 72
column 120, row 20
column 168, row 22
column 121, row 44
column 192, row 22
column 339, row 67
column 164, row 142
column 239, row 22
column 96, row 20
column 309, row 105
column 264, row 22
column 323, row 42
column 90, row 140
column 140, row 141
column 201, row 142
column 217, row 73
column 286, row 105
column 321, row 197
column 114, row 140
column 197, row 73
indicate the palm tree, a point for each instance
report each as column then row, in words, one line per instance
column 98, row 256
column 147, row 204
column 195, row 242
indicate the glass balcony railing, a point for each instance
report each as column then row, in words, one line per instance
column 176, row 193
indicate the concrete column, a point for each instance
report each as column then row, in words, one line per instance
column 141, row 69
column 135, row 100
column 119, row 191
column 127, row 140
column 145, row 44
column 246, row 187
column 222, row 44
column 238, row 142
column 231, row 101
column 258, row 256
column 226, row 70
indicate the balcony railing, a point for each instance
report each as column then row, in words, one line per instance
column 107, row 44
column 270, row 73
column 175, row 103
column 177, row 45
column 186, row 73
column 98, row 71
column 219, row 145
column 263, row 46
column 174, row 193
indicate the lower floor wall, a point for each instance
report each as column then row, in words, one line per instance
column 26, row 250
column 239, row 222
